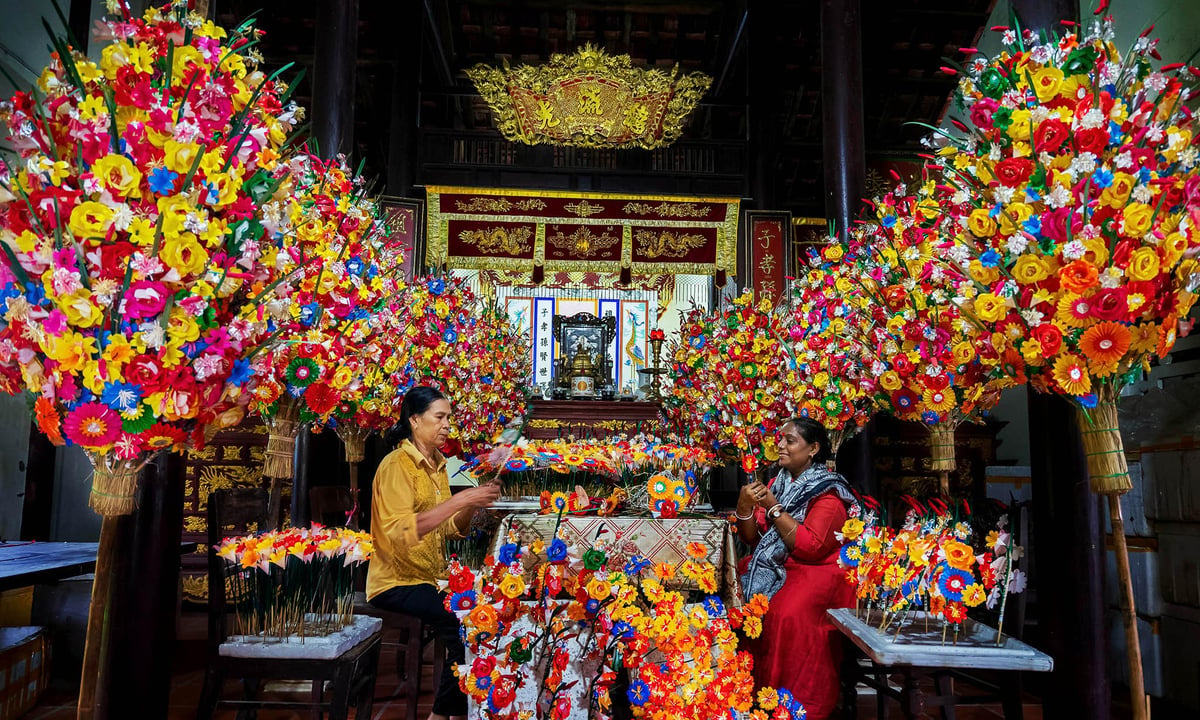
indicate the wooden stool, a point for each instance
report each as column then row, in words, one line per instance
column 409, row 648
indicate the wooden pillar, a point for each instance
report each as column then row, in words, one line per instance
column 333, row 76
column 1069, row 548
column 844, row 153
column 301, row 479
column 842, row 110
column 764, row 102
column 403, row 151
column 146, row 595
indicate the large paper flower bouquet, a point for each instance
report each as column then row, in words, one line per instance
column 342, row 276
column 727, row 380
column 1077, row 193
column 135, row 218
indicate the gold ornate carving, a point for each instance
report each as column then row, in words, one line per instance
column 498, row 205
column 208, row 453
column 499, row 240
column 667, row 210
column 653, row 245
column 590, row 99
column 583, row 208
column 582, row 243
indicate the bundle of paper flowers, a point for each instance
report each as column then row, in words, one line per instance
column 489, row 381
column 555, row 470
column 727, row 380
column 827, row 371
column 293, row 582
column 135, row 229
column 342, row 274
column 1076, row 190
column 466, row 348
column 933, row 364
column 927, row 565
column 553, row 643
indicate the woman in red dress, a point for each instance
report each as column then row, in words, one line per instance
column 791, row 524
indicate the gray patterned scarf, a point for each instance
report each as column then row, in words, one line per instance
column 766, row 573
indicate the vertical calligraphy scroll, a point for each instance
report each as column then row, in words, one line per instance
column 768, row 239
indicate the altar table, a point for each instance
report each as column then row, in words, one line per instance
column 552, row 419
column 916, row 653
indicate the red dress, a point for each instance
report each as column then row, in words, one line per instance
column 800, row 649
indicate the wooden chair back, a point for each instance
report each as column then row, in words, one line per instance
column 331, row 505
column 231, row 512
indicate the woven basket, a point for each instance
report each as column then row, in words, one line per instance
column 1102, row 444
column 113, row 489
column 281, row 443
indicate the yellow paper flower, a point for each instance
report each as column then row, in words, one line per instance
column 1070, row 373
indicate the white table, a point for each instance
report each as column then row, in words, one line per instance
column 916, row 652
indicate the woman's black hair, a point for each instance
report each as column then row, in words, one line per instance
column 416, row 401
column 813, row 432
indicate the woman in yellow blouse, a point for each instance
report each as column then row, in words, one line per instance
column 412, row 514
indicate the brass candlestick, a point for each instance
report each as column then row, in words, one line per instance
column 655, row 370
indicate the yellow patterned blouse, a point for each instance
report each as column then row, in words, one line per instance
column 407, row 484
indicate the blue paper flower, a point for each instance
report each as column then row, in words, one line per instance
column 713, row 606
column 508, row 553
column 122, row 397
column 436, row 286
column 162, row 180
column 635, row 565
column 556, row 551
column 638, row 692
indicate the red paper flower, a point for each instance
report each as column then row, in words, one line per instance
column 93, row 426
column 161, row 435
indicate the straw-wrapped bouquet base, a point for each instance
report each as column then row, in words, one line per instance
column 113, row 487
column 1107, row 469
column 281, row 443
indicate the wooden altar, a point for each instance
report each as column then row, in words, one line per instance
column 551, row 419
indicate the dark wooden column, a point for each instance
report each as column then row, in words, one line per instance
column 1069, row 579
column 762, row 63
column 334, row 68
column 141, row 647
column 842, row 110
column 333, row 76
column 403, row 154
column 844, row 153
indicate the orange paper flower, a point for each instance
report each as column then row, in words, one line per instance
column 1106, row 342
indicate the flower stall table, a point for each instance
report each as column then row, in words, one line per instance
column 916, row 652
column 656, row 539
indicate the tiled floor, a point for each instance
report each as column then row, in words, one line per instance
column 188, row 678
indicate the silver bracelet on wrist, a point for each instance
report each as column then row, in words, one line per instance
column 739, row 517
column 775, row 511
